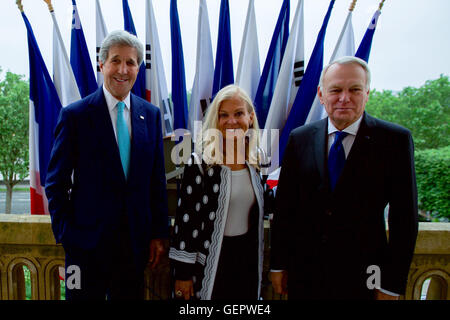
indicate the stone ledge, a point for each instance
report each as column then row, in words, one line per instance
column 26, row 230
column 433, row 237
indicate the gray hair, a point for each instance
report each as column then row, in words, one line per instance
column 121, row 38
column 348, row 60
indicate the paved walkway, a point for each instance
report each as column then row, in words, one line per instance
column 20, row 200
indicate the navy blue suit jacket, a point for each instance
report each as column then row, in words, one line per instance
column 86, row 187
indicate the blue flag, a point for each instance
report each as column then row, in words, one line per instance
column 44, row 111
column 269, row 76
column 308, row 88
column 179, row 97
column 366, row 43
column 223, row 72
column 139, row 86
column 79, row 57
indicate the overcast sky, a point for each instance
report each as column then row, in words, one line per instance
column 411, row 43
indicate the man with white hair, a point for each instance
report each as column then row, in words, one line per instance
column 338, row 174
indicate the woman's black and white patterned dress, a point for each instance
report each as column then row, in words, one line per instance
column 200, row 222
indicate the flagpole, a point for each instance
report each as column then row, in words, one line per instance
column 19, row 5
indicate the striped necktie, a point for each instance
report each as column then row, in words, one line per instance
column 123, row 138
column 336, row 158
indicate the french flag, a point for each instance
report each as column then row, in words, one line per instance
column 44, row 111
column 155, row 78
column 223, row 72
column 269, row 76
column 79, row 57
column 204, row 72
column 248, row 71
column 100, row 34
column 179, row 95
column 139, row 86
column 366, row 43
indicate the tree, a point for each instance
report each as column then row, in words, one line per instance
column 425, row 111
column 433, row 181
column 14, row 109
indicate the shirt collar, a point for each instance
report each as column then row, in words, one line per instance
column 351, row 129
column 111, row 101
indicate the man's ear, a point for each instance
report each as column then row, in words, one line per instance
column 367, row 94
column 319, row 94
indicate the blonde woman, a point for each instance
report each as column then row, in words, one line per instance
column 217, row 246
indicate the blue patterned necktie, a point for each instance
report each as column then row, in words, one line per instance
column 123, row 138
column 336, row 158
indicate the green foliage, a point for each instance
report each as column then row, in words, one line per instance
column 27, row 275
column 425, row 111
column 14, row 106
column 433, row 181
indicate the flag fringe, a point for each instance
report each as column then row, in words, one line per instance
column 19, row 5
column 49, row 4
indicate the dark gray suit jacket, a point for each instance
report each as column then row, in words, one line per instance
column 327, row 240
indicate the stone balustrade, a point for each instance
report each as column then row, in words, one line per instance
column 27, row 240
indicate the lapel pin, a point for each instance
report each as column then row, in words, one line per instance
column 142, row 117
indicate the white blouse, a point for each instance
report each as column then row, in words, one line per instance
column 242, row 199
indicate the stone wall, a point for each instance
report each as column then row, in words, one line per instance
column 28, row 240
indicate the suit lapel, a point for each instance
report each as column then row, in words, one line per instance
column 139, row 133
column 362, row 142
column 103, row 132
column 319, row 144
column 138, row 122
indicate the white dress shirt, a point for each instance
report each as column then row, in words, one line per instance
column 347, row 142
column 111, row 102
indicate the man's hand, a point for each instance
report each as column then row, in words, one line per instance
column 383, row 296
column 184, row 289
column 279, row 281
column 156, row 251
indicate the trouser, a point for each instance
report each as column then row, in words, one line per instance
column 107, row 272
column 237, row 271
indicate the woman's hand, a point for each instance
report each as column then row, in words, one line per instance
column 184, row 289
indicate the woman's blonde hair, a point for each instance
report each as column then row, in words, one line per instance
column 210, row 139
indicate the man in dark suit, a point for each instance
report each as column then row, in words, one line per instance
column 329, row 237
column 106, row 184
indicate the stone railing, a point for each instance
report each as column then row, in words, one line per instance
column 27, row 240
column 431, row 261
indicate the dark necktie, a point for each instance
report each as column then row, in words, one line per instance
column 336, row 158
